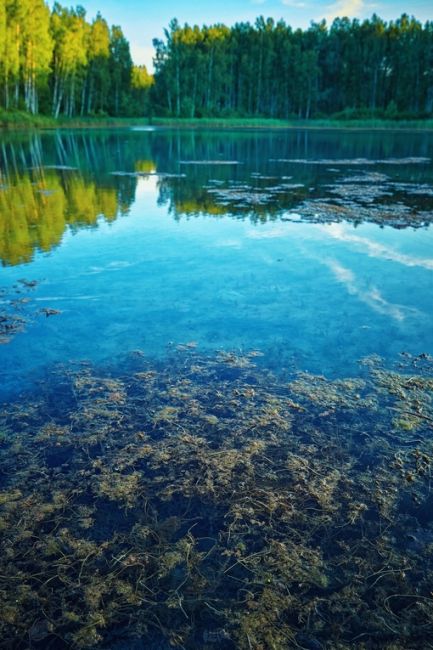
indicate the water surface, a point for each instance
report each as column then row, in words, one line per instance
column 314, row 247
column 217, row 374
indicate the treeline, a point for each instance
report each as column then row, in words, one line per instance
column 57, row 63
column 352, row 68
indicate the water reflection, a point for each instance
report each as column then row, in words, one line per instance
column 37, row 206
column 49, row 184
column 375, row 249
column 370, row 295
column 150, row 251
column 54, row 181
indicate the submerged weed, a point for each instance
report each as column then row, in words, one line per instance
column 219, row 509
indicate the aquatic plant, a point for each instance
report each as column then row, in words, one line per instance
column 203, row 502
column 16, row 310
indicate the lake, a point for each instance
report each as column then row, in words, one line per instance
column 217, row 376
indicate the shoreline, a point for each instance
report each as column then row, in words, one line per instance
column 22, row 121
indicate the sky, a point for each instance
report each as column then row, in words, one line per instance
column 142, row 21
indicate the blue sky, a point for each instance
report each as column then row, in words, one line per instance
column 141, row 21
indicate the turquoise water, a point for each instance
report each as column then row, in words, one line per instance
column 192, row 454
column 162, row 252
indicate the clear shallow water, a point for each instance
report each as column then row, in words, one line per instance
column 212, row 494
column 147, row 239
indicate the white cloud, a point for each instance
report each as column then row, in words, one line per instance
column 374, row 249
column 296, row 4
column 341, row 8
column 370, row 295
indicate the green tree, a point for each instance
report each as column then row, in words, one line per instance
column 141, row 84
column 120, row 65
column 3, row 51
column 37, row 50
column 97, row 82
column 69, row 31
column 15, row 18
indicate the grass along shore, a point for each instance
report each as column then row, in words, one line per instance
column 266, row 123
column 22, row 120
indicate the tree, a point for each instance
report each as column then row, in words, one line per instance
column 3, row 51
column 97, row 82
column 120, row 64
column 141, row 83
column 267, row 69
column 15, row 15
column 37, row 49
column 69, row 31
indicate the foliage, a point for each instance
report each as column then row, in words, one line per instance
column 57, row 63
column 370, row 69
column 60, row 64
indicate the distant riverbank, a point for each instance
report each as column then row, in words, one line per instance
column 22, row 120
column 266, row 123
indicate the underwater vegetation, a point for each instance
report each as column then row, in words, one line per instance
column 348, row 191
column 16, row 310
column 203, row 502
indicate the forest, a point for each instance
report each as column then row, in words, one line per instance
column 57, row 63
column 353, row 68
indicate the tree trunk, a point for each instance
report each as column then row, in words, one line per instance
column 55, row 92
column 6, row 91
column 260, row 75
column 194, row 93
column 83, row 97
column 177, row 89
column 59, row 99
column 90, row 95
column 71, row 102
column 374, row 90
column 209, row 79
